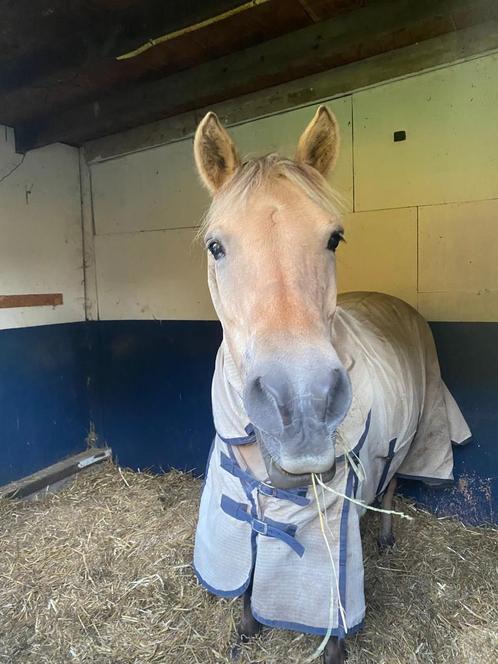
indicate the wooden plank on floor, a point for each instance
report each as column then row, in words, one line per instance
column 56, row 473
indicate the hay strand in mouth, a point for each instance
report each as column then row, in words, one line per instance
column 361, row 503
column 101, row 573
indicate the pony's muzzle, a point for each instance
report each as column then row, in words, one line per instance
column 296, row 409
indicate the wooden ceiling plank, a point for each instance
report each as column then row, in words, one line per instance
column 81, row 32
column 309, row 10
column 101, row 77
column 347, row 38
column 325, row 9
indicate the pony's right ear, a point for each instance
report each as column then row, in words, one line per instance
column 215, row 153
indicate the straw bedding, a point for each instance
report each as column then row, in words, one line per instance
column 100, row 572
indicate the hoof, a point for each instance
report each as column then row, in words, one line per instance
column 335, row 651
column 248, row 628
column 386, row 543
column 235, row 652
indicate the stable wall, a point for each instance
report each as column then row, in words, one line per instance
column 420, row 214
column 43, row 377
column 421, row 219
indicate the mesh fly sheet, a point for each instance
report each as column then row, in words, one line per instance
column 402, row 421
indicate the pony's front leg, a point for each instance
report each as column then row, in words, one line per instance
column 386, row 538
column 335, row 651
column 247, row 628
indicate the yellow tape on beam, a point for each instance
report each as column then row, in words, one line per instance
column 191, row 28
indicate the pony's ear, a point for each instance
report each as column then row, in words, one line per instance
column 216, row 156
column 319, row 143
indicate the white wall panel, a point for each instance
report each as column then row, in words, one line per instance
column 155, row 274
column 445, row 262
column 451, row 150
column 458, row 261
column 459, row 307
column 380, row 253
column 458, row 247
column 40, row 232
column 159, row 188
column 149, row 190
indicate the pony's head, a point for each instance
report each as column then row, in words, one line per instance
column 271, row 233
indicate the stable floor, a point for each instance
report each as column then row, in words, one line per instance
column 100, row 572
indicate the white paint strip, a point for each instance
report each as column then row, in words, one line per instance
column 95, row 458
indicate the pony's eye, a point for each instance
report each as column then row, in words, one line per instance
column 216, row 248
column 334, row 240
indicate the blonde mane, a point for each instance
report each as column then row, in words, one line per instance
column 255, row 174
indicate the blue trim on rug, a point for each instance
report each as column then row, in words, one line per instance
column 357, row 449
column 263, row 526
column 389, row 458
column 246, row 440
column 306, row 629
column 222, row 593
column 293, row 495
column 343, row 548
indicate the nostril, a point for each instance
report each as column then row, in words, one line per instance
column 262, row 406
column 339, row 397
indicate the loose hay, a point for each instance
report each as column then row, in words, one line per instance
column 100, row 572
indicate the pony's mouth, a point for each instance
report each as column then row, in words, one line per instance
column 282, row 479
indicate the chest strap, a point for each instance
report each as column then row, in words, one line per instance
column 266, row 527
column 296, row 496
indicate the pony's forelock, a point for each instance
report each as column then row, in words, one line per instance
column 255, row 174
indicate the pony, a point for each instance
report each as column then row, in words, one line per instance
column 320, row 402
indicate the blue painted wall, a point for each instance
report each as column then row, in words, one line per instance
column 468, row 354
column 46, row 396
column 146, row 387
column 156, row 390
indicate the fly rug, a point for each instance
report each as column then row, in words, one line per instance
column 319, row 402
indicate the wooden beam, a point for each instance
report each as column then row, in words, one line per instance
column 379, row 28
column 32, row 300
column 430, row 54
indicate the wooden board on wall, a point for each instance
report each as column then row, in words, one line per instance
column 152, row 275
column 380, row 253
column 458, row 261
column 31, row 300
column 450, row 153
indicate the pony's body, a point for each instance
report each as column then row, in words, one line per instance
column 302, row 378
column 401, row 421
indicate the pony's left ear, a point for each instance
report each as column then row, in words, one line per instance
column 215, row 153
column 319, row 143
